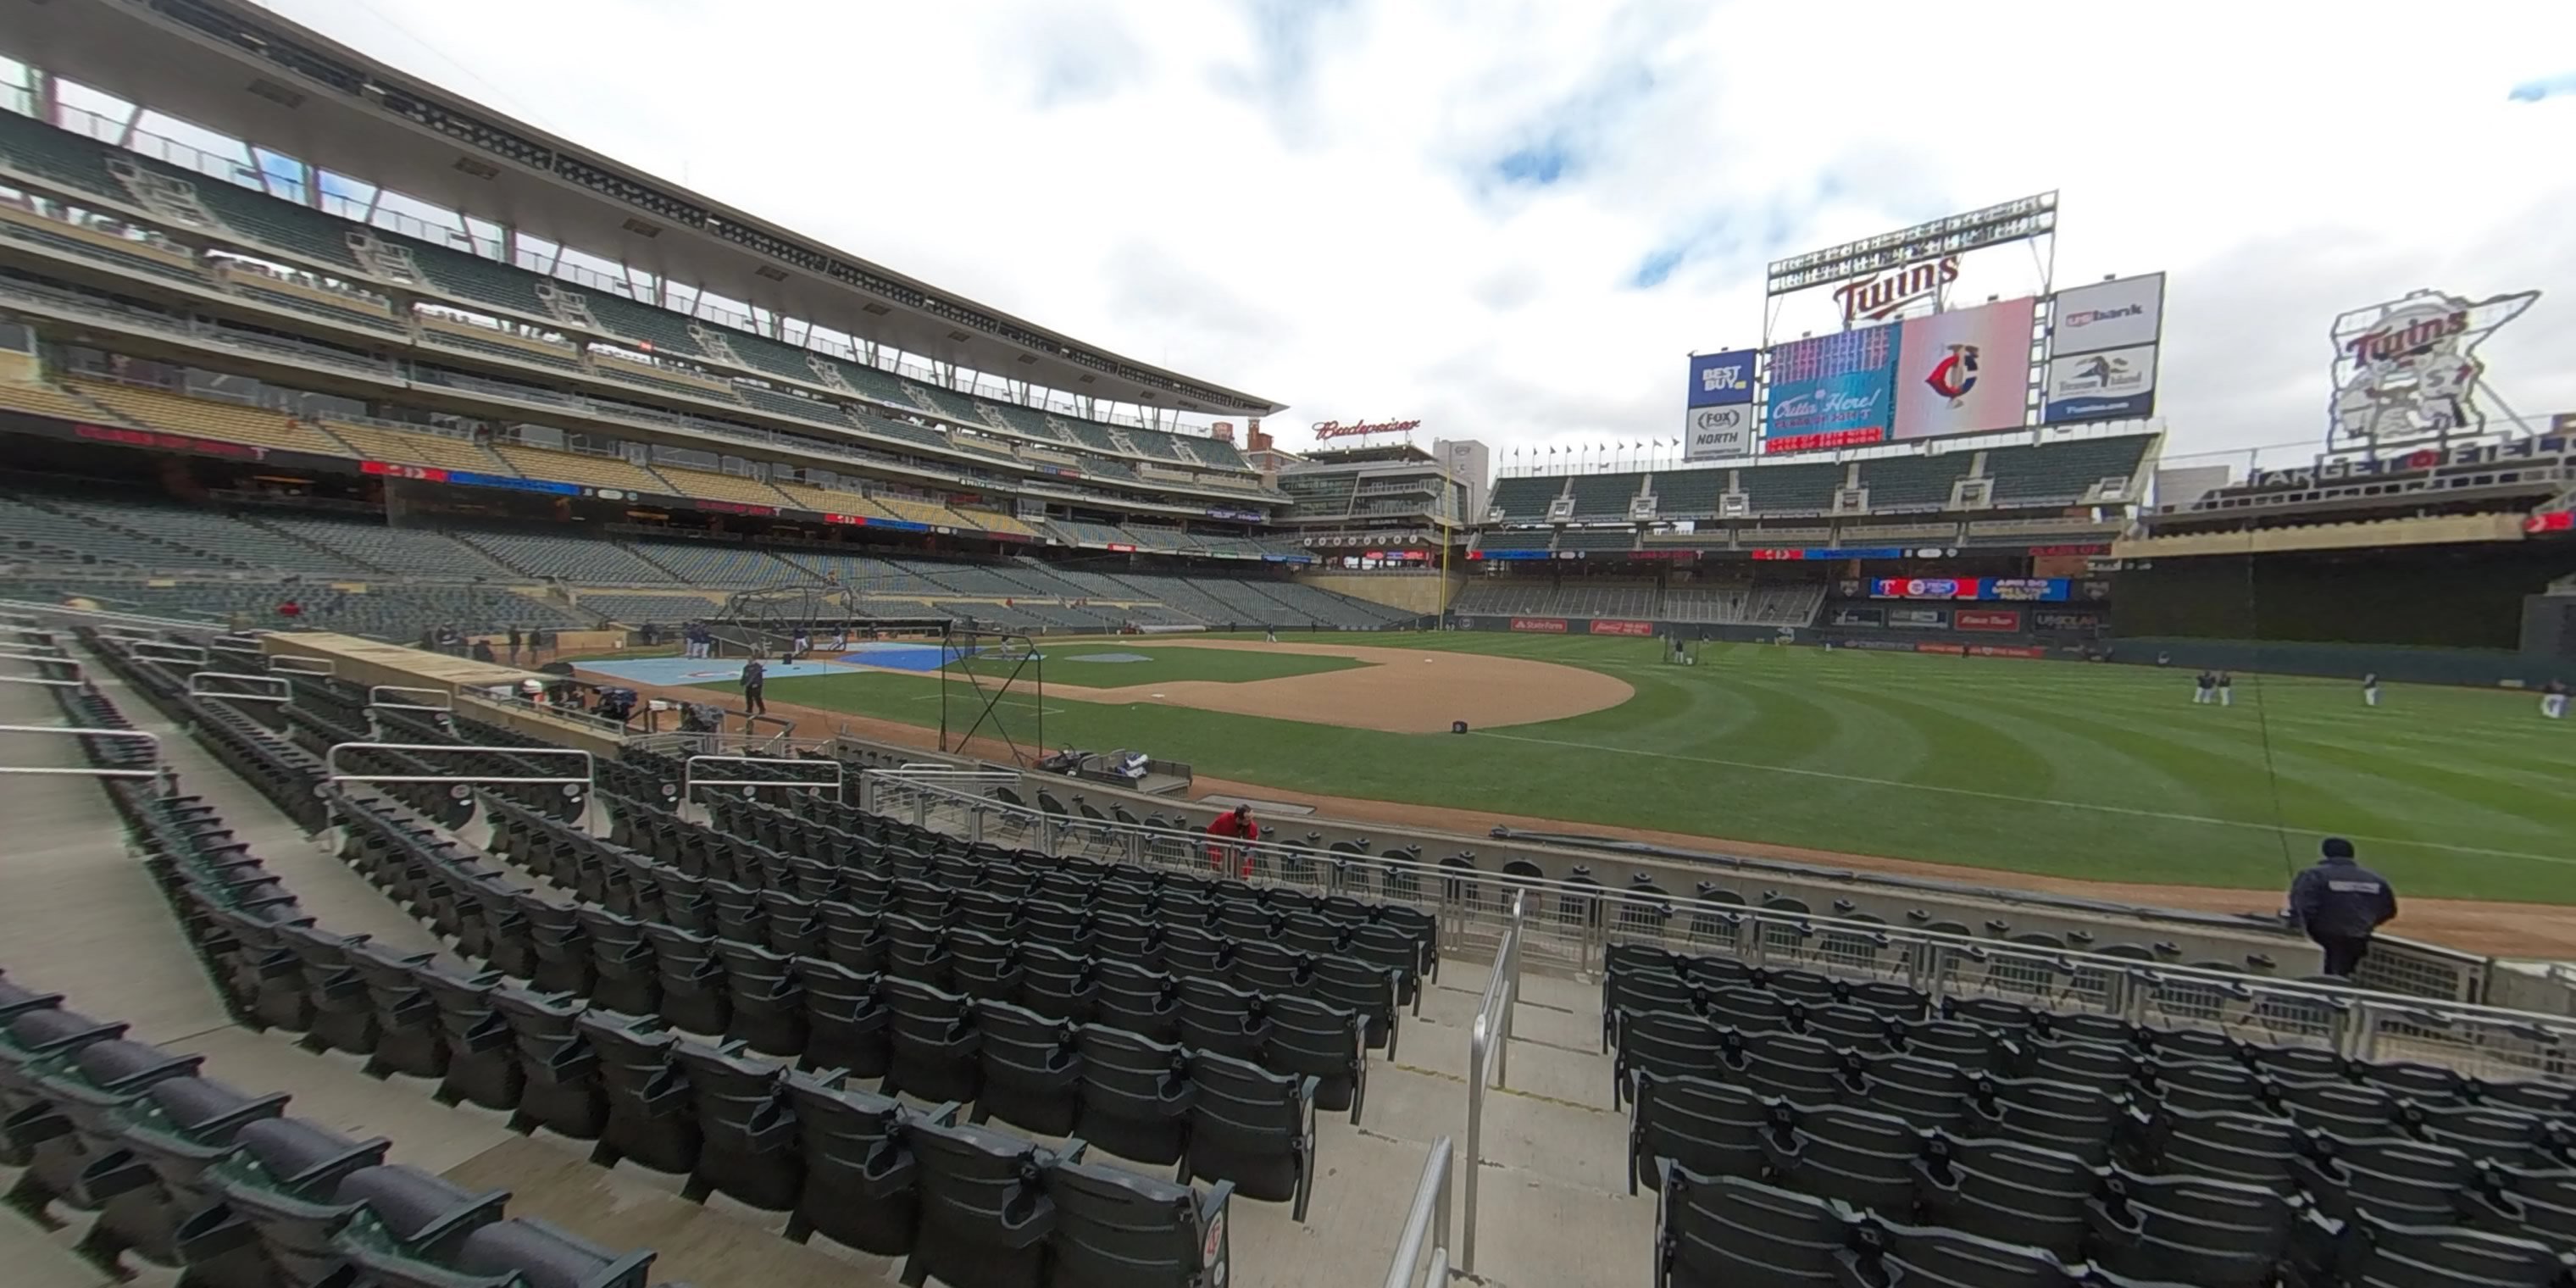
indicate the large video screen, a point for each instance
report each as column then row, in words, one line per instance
column 1832, row 387
column 1965, row 371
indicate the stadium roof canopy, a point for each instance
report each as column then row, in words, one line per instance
column 1381, row 453
column 233, row 67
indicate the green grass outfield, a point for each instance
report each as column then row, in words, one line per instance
column 2105, row 772
column 1064, row 665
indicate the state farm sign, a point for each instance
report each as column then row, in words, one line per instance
column 1336, row 429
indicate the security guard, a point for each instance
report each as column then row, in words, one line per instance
column 2339, row 903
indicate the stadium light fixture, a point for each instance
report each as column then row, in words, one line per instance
column 2011, row 221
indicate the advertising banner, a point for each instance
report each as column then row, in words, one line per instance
column 2021, row 589
column 2109, row 315
column 1542, row 625
column 1984, row 650
column 1835, row 441
column 1919, row 619
column 1714, row 433
column 2060, row 619
column 1924, row 588
column 1988, row 619
column 2040, row 589
column 2115, row 384
column 1608, row 626
column 1964, row 371
column 1834, row 384
column 1721, row 379
column 1857, row 617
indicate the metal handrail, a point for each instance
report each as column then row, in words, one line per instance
column 1428, row 1219
column 1489, row 1040
column 689, row 779
column 332, row 772
column 79, row 677
column 377, row 700
column 1759, row 925
column 157, row 769
column 35, row 652
column 197, row 689
column 167, row 651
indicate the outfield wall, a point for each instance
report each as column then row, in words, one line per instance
column 2479, row 667
column 1950, row 643
column 2448, row 597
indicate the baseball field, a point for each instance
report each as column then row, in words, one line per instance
column 2055, row 770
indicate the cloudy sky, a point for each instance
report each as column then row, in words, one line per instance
column 1513, row 219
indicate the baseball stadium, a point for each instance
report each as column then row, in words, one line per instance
column 567, row 735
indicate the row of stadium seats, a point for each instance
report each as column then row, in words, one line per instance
column 870, row 1010
column 2049, row 474
column 860, row 1169
column 51, row 535
column 386, row 612
column 81, row 166
column 435, row 450
column 2181, row 1154
column 1794, row 604
column 173, row 1167
column 178, row 538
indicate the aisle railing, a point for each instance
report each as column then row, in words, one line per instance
column 1489, row 1043
column 1426, row 1227
column 1571, row 925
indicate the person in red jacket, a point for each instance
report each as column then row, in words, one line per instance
column 1236, row 826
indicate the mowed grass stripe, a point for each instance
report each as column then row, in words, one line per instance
column 1999, row 796
column 2407, row 795
column 2228, row 760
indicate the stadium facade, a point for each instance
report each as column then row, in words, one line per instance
column 344, row 293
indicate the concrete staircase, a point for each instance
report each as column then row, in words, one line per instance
column 79, row 915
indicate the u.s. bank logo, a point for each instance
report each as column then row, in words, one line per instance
column 1722, row 379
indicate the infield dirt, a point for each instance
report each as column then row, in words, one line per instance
column 1402, row 690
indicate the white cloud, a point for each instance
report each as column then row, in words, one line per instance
column 1299, row 198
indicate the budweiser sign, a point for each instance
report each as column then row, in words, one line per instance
column 1336, row 429
column 1880, row 294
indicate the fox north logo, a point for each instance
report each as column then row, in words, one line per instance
column 1955, row 374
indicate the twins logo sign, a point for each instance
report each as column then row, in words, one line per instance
column 1953, row 376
